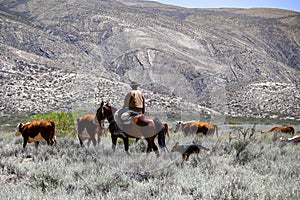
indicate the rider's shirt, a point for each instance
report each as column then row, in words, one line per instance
column 135, row 100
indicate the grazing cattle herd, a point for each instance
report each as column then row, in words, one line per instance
column 88, row 127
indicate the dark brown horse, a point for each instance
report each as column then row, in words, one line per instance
column 141, row 126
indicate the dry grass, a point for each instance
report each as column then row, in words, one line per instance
column 239, row 167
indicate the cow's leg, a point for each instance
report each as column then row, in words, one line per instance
column 36, row 144
column 187, row 157
column 48, row 141
column 25, row 142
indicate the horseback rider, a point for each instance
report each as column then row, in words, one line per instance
column 135, row 100
column 134, row 104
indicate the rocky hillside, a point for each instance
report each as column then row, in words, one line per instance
column 68, row 55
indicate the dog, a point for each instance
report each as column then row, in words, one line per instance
column 187, row 150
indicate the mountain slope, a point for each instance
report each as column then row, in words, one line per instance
column 177, row 53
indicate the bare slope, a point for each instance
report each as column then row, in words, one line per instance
column 57, row 55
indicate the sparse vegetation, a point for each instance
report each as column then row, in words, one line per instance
column 66, row 55
column 249, row 166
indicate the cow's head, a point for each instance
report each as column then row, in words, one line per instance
column 19, row 129
column 178, row 125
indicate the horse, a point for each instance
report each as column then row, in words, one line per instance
column 284, row 129
column 88, row 123
column 141, row 126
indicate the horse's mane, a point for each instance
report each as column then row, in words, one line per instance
column 113, row 109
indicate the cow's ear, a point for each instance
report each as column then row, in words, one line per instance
column 21, row 125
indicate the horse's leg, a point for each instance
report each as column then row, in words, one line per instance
column 126, row 144
column 99, row 136
column 80, row 135
column 80, row 140
column 114, row 141
column 89, row 142
column 92, row 137
column 152, row 146
column 94, row 141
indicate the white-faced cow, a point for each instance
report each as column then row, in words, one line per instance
column 36, row 131
column 91, row 125
column 294, row 140
column 198, row 128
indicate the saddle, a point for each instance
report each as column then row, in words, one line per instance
column 142, row 120
column 128, row 117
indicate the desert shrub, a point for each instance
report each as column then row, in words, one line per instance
column 65, row 122
column 263, row 169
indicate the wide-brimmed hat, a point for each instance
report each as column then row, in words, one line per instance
column 134, row 84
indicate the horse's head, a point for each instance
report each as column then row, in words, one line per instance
column 99, row 114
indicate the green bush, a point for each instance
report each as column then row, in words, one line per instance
column 65, row 122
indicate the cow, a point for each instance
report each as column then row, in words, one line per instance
column 36, row 131
column 89, row 124
column 198, row 128
column 295, row 139
column 284, row 129
column 187, row 150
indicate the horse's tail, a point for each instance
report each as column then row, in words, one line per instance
column 161, row 133
column 166, row 130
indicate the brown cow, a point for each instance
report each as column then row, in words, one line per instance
column 197, row 128
column 36, row 131
column 295, row 139
column 284, row 129
column 92, row 127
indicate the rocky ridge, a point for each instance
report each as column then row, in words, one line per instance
column 65, row 56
